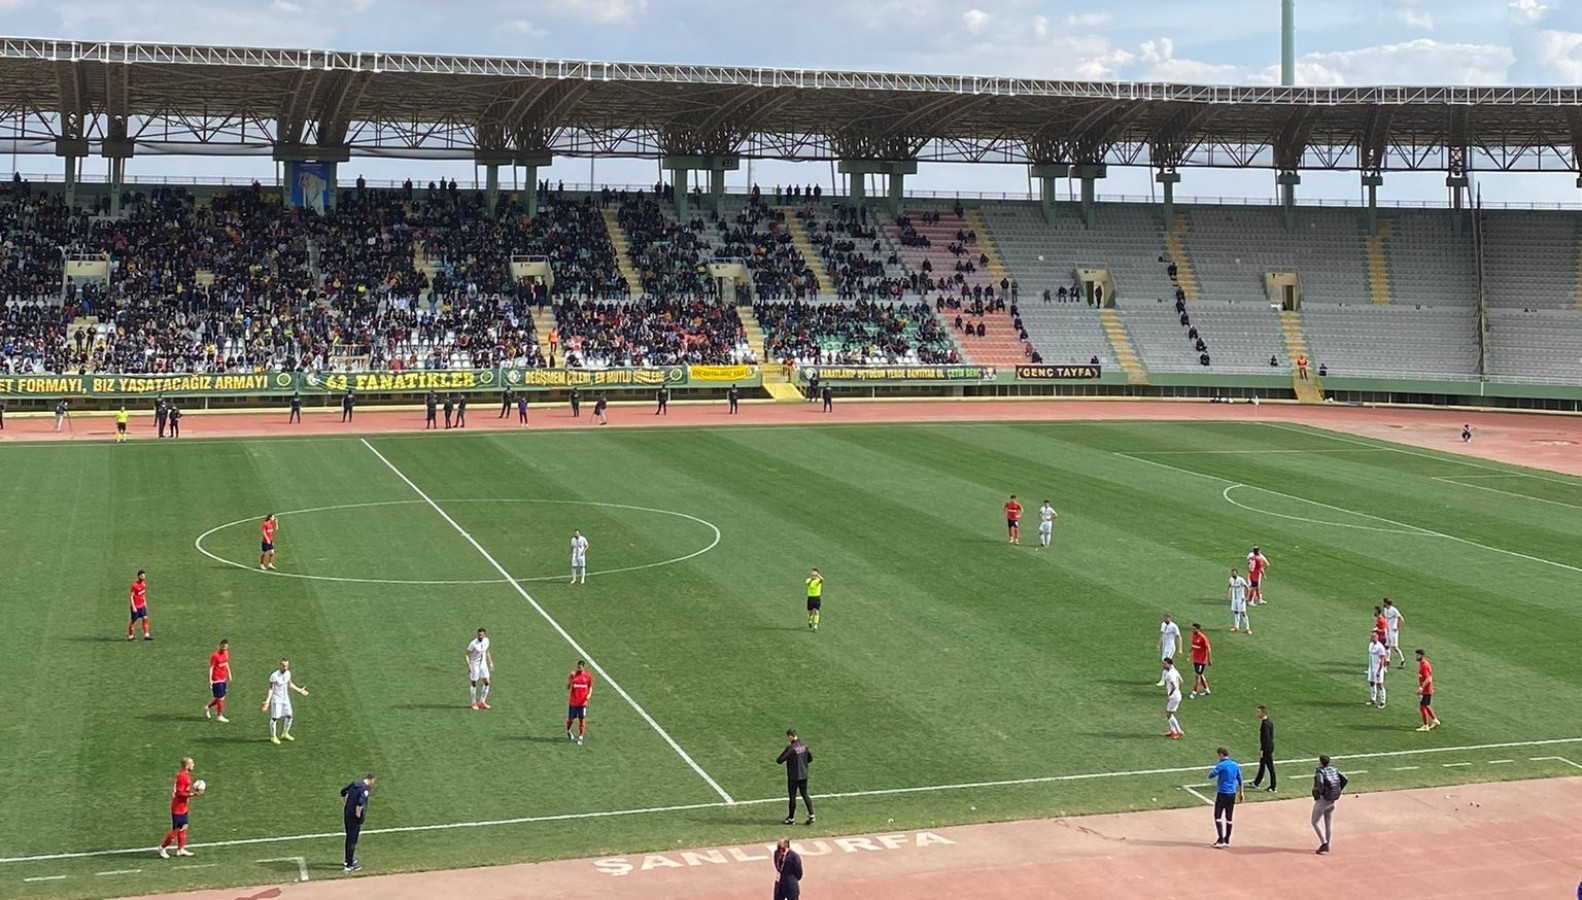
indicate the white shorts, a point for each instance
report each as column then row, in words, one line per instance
column 280, row 709
column 1046, row 527
column 1238, row 606
column 1394, row 639
column 579, row 562
column 1379, row 675
column 1373, row 675
column 1173, row 703
column 1168, row 651
column 479, row 671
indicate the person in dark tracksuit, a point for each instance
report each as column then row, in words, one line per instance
column 296, row 409
column 450, row 409
column 795, row 757
column 521, row 408
column 506, row 401
column 354, row 813
column 461, row 410
column 576, row 403
column 161, row 415
column 430, row 411
column 175, row 420
column 600, row 404
column 812, row 386
column 827, row 394
column 347, row 402
column 663, row 396
column 788, row 871
column 1265, row 750
column 733, row 397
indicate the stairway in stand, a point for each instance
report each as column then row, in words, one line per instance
column 1121, row 344
column 623, row 253
column 999, row 345
column 777, row 383
column 543, row 324
column 1378, row 263
column 804, row 246
column 425, row 265
column 1310, row 389
column 1175, row 246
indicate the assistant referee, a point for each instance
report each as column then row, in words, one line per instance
column 815, row 598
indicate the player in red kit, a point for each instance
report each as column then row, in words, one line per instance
column 1425, row 693
column 266, row 544
column 139, row 602
column 579, row 686
column 1013, row 518
column 219, row 680
column 183, row 792
column 1257, row 567
column 1202, row 658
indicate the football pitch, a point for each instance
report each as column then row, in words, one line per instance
column 955, row 679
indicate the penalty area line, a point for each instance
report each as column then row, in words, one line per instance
column 846, row 795
column 564, row 634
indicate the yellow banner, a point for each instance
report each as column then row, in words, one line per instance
column 672, row 375
column 720, row 373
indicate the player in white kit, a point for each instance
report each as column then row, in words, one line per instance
column 1169, row 637
column 1172, row 680
column 1392, row 627
column 1237, row 592
column 579, row 558
column 479, row 662
column 1046, row 524
column 278, row 702
column 1378, row 664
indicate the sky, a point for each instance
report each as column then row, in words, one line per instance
column 1339, row 42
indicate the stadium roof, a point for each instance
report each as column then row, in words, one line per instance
column 78, row 98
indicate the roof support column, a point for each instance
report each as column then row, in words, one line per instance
column 1458, row 182
column 532, row 162
column 1167, row 187
column 492, row 160
column 716, row 166
column 72, row 150
column 116, row 148
column 1371, row 183
column 1047, row 174
column 1287, row 180
column 1089, row 174
column 895, row 170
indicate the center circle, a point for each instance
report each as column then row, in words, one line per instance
column 198, row 542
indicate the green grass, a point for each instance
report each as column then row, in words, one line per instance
column 945, row 657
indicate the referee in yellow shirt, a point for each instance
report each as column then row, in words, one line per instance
column 815, row 598
column 120, row 425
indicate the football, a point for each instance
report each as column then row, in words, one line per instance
column 199, row 786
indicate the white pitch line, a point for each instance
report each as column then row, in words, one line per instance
column 1194, row 792
column 1257, row 452
column 1495, row 762
column 1455, row 764
column 1480, row 487
column 565, row 635
column 198, row 866
column 1405, row 768
column 847, row 795
column 1439, row 456
column 118, row 872
column 301, row 861
column 37, row 878
column 1557, row 759
column 1416, row 529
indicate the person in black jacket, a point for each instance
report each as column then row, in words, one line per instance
column 354, row 813
column 161, row 415
column 348, row 401
column 795, row 757
column 507, row 400
column 1265, row 750
column 461, row 410
column 576, row 403
column 430, row 411
column 788, row 871
column 296, row 409
column 734, row 397
column 450, row 410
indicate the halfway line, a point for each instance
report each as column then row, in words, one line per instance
column 614, row 686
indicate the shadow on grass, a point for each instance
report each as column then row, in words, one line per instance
column 453, row 707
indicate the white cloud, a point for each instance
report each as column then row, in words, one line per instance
column 1421, row 61
column 1040, row 27
column 523, row 26
column 602, row 12
column 974, row 19
column 1527, row 12
column 285, row 7
column 1414, row 18
column 12, row 5
column 1087, row 20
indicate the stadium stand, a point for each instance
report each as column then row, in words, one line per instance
column 1392, row 341
column 859, row 333
column 1540, row 345
column 941, row 247
column 651, row 332
column 1530, row 259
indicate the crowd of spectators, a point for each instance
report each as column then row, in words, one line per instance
column 656, row 332
column 864, row 332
